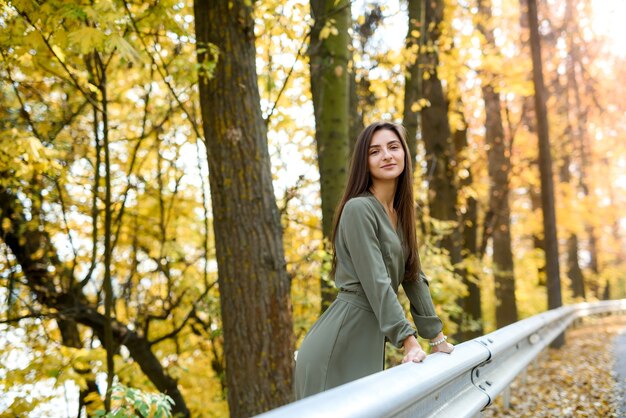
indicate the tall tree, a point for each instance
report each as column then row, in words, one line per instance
column 438, row 141
column 572, row 132
column 579, row 120
column 253, row 282
column 440, row 147
column 499, row 214
column 413, row 75
column 108, row 214
column 330, row 88
column 472, row 317
column 545, row 168
column 529, row 121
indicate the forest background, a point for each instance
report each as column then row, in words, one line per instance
column 146, row 144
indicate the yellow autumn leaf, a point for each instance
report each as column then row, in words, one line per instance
column 125, row 49
column 325, row 32
column 93, row 397
column 34, row 148
column 59, row 52
column 87, row 39
column 328, row 29
column 37, row 254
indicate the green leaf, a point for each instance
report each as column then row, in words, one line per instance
column 72, row 11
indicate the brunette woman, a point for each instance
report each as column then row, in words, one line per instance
column 374, row 251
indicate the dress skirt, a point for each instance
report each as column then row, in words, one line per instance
column 345, row 344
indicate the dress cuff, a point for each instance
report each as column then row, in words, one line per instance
column 428, row 326
column 403, row 336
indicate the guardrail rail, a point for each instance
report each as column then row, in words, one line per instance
column 457, row 385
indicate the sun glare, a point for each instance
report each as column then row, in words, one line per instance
column 608, row 20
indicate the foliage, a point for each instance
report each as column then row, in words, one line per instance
column 133, row 403
column 50, row 149
column 51, row 132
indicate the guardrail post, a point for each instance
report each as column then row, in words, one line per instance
column 506, row 397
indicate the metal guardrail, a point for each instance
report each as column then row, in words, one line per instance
column 457, row 385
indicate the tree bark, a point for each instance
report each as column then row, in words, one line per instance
column 438, row 142
column 529, row 120
column 545, row 167
column 356, row 117
column 572, row 131
column 538, row 239
column 499, row 172
column 108, row 250
column 580, row 116
column 330, row 87
column 413, row 76
column 472, row 322
column 253, row 281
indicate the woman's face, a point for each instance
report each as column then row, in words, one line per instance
column 385, row 156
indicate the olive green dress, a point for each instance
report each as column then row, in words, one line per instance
column 348, row 341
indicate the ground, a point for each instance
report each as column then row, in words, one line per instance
column 576, row 380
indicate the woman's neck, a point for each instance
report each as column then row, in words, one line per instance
column 385, row 193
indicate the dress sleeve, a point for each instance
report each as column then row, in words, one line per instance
column 358, row 234
column 422, row 310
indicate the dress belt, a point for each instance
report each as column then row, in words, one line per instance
column 355, row 298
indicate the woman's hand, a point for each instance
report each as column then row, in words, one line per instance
column 416, row 355
column 413, row 351
column 444, row 347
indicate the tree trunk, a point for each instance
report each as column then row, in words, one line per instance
column 545, row 167
column 574, row 272
column 253, row 281
column 108, row 249
column 413, row 76
column 356, row 117
column 438, row 142
column 538, row 240
column 499, row 171
column 529, row 120
column 436, row 130
column 331, row 101
column 471, row 323
column 580, row 116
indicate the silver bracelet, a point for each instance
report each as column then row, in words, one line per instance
column 434, row 343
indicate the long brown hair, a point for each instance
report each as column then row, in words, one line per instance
column 360, row 181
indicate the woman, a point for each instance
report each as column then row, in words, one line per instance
column 375, row 249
